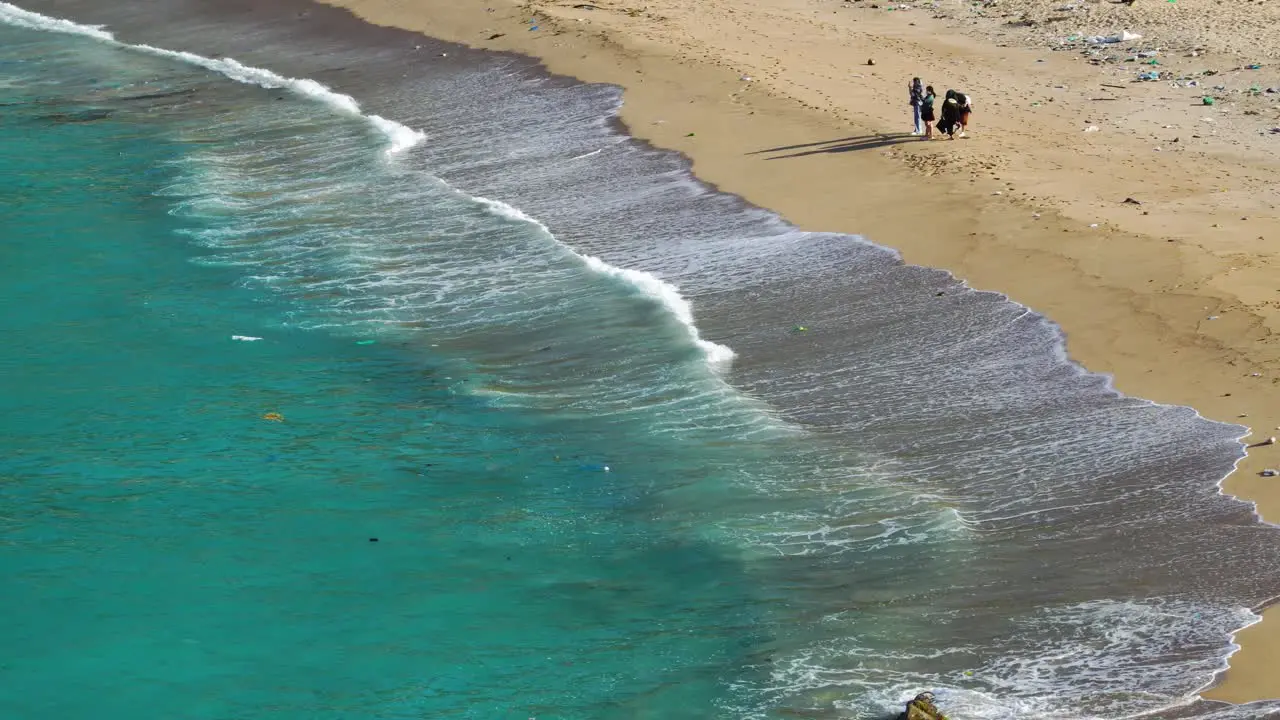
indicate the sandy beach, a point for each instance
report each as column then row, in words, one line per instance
column 1134, row 212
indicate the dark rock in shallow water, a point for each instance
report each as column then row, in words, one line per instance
column 79, row 116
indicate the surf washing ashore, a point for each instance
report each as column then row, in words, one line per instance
column 359, row 374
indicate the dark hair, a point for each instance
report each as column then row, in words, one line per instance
column 929, row 90
column 915, row 80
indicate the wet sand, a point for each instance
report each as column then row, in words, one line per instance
column 775, row 100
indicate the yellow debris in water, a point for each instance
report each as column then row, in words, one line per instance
column 273, row 417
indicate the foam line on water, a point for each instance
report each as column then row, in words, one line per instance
column 399, row 137
column 668, row 295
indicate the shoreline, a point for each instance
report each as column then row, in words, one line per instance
column 1144, row 301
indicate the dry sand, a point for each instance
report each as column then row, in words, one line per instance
column 1178, row 297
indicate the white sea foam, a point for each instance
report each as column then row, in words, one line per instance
column 13, row 15
column 1097, row 659
column 718, row 356
column 399, row 137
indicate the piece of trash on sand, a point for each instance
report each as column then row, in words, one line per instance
column 1131, row 201
column 273, row 417
column 1207, row 100
column 1269, row 473
column 245, row 338
column 1091, row 128
column 1120, row 37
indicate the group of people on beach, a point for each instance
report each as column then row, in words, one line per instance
column 956, row 108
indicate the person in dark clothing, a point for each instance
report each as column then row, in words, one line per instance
column 950, row 121
column 915, row 92
column 926, row 112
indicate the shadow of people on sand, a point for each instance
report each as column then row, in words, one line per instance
column 841, row 145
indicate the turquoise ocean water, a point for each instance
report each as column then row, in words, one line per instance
column 166, row 548
column 291, row 427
